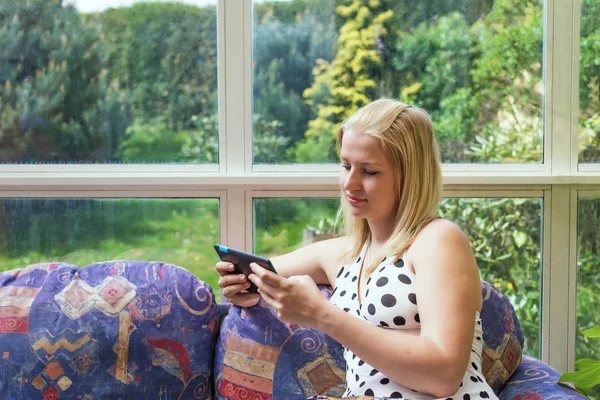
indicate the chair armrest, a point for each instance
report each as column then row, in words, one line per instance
column 535, row 380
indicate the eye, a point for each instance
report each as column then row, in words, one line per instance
column 346, row 166
column 369, row 172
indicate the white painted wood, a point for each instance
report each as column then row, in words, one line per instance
column 557, row 340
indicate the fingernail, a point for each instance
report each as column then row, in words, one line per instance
column 230, row 267
column 242, row 278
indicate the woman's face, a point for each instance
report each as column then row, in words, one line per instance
column 368, row 180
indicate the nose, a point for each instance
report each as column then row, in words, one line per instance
column 351, row 180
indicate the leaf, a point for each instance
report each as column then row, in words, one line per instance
column 520, row 238
column 586, row 377
column 593, row 333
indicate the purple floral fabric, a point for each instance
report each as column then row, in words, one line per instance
column 502, row 336
column 534, row 380
column 119, row 329
column 260, row 357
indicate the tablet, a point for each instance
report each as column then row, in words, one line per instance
column 242, row 260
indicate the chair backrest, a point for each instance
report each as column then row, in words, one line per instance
column 109, row 330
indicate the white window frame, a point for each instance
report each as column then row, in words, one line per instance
column 235, row 181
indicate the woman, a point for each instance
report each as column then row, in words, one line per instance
column 407, row 296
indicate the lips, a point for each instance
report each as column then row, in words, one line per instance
column 354, row 200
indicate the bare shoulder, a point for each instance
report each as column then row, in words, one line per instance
column 440, row 232
column 440, row 239
column 332, row 250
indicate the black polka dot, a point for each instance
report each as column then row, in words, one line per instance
column 373, row 372
column 396, row 395
column 467, row 397
column 353, row 296
column 399, row 263
column 367, row 293
column 368, row 281
column 360, row 363
column 358, row 260
column 479, row 379
column 353, row 356
column 346, row 309
column 369, row 392
column 334, row 290
column 449, row 398
column 484, row 395
column 341, row 272
column 412, row 298
column 371, row 309
column 388, row 300
column 354, row 278
column 347, row 274
column 361, row 384
column 381, row 323
column 399, row 321
column 382, row 281
column 478, row 337
column 474, row 366
column 342, row 293
column 404, row 279
column 356, row 377
column 473, row 379
column 417, row 318
column 384, row 381
column 382, row 268
column 384, row 258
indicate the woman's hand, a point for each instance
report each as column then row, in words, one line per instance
column 234, row 286
column 297, row 299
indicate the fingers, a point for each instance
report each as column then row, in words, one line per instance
column 268, row 277
column 270, row 300
column 244, row 299
column 224, row 268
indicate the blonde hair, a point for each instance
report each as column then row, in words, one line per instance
column 406, row 136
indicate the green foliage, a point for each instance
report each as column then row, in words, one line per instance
column 58, row 99
column 587, row 374
column 352, row 76
column 506, row 238
column 165, row 54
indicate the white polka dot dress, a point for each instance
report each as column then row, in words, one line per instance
column 389, row 301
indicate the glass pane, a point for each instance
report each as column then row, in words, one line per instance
column 589, row 83
column 84, row 83
column 282, row 225
column 588, row 281
column 506, row 236
column 84, row 231
column 475, row 65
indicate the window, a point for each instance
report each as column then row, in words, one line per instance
column 156, row 108
column 83, row 231
column 476, row 66
column 588, row 278
column 82, row 84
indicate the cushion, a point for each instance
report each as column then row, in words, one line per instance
column 260, row 357
column 119, row 329
column 502, row 336
column 534, row 380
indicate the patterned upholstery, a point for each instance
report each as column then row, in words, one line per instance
column 260, row 357
column 534, row 380
column 120, row 329
column 502, row 337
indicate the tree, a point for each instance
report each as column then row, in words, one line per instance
column 350, row 80
column 58, row 102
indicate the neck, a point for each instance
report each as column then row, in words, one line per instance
column 380, row 233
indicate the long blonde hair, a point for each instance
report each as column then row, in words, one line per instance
column 406, row 136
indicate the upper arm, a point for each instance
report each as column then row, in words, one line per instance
column 448, row 288
column 320, row 260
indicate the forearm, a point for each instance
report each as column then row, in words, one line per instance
column 413, row 361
